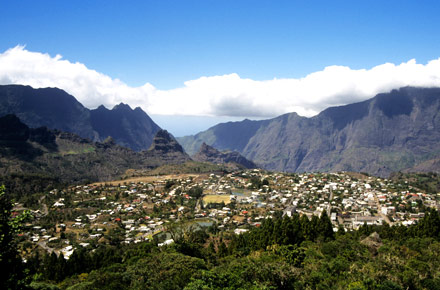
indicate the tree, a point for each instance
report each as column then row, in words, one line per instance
column 325, row 227
column 11, row 275
column 222, row 250
column 195, row 192
column 430, row 225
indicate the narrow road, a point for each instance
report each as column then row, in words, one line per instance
column 44, row 206
column 329, row 208
column 48, row 249
column 218, row 185
column 199, row 204
column 379, row 210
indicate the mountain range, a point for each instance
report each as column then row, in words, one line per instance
column 394, row 131
column 70, row 158
column 55, row 109
column 49, row 134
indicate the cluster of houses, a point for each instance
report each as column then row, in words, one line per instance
column 137, row 211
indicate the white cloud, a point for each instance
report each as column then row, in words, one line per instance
column 227, row 95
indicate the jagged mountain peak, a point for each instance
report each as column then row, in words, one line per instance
column 206, row 148
column 130, row 128
column 101, row 107
column 56, row 109
column 166, row 148
column 165, row 142
column 123, row 107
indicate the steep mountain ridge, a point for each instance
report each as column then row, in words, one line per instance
column 390, row 132
column 48, row 107
column 56, row 109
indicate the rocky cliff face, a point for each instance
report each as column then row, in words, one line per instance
column 55, row 109
column 210, row 154
column 164, row 142
column 390, row 132
column 166, row 150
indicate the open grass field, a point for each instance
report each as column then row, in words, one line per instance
column 212, row 198
column 146, row 179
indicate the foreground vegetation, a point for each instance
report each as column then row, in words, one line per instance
column 283, row 253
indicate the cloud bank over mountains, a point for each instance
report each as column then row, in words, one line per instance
column 226, row 95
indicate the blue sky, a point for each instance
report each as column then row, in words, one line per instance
column 167, row 43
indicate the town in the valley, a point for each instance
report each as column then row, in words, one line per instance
column 146, row 209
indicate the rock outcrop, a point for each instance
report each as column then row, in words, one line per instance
column 210, row 154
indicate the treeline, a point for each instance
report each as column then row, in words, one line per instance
column 427, row 227
column 57, row 268
column 22, row 187
column 283, row 231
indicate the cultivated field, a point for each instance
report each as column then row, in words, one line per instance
column 216, row 199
